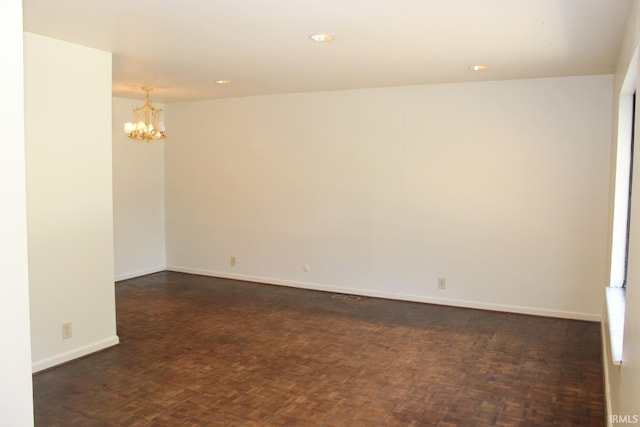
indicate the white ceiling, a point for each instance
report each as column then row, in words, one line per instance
column 181, row 47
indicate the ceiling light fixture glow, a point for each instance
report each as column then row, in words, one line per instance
column 223, row 82
column 322, row 37
column 478, row 67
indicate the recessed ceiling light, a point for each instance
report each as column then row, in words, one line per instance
column 321, row 37
column 478, row 67
column 223, row 82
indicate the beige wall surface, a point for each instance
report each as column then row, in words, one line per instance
column 501, row 188
column 69, row 199
column 138, row 198
column 15, row 354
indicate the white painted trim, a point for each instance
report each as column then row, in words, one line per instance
column 593, row 317
column 615, row 318
column 132, row 274
column 605, row 365
column 74, row 354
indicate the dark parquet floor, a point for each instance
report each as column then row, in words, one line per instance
column 200, row 351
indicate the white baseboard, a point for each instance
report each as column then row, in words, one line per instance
column 138, row 273
column 605, row 367
column 67, row 356
column 536, row 311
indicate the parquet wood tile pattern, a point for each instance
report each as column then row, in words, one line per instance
column 201, row 351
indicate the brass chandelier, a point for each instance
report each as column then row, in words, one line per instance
column 148, row 126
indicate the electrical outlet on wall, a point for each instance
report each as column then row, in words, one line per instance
column 66, row 330
column 232, row 261
column 442, row 283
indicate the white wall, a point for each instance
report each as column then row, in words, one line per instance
column 15, row 354
column 623, row 382
column 69, row 198
column 138, row 198
column 502, row 188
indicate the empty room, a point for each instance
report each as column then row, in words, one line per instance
column 320, row 213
